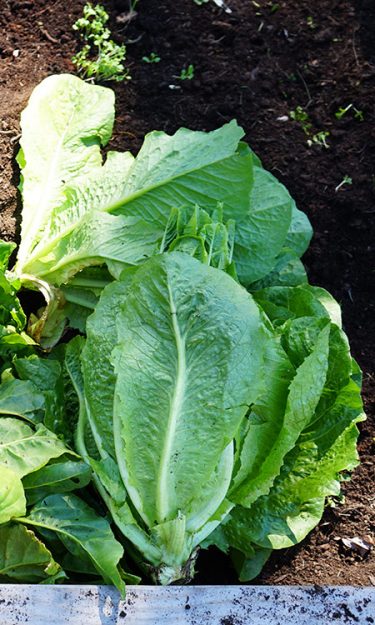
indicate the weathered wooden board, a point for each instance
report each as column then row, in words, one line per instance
column 186, row 605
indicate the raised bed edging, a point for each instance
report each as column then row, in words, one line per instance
column 186, row 605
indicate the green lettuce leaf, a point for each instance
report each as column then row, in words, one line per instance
column 24, row 450
column 311, row 469
column 12, row 496
column 261, row 233
column 79, row 197
column 80, row 529
column 77, row 118
column 24, row 558
column 59, row 476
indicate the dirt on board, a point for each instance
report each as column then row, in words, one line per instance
column 256, row 63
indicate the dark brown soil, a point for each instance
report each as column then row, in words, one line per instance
column 256, row 64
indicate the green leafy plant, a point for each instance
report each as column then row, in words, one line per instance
column 100, row 59
column 187, row 73
column 152, row 58
column 211, row 393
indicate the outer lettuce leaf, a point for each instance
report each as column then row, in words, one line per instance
column 12, row 497
column 188, row 168
column 98, row 238
column 45, row 376
column 60, row 476
column 24, row 558
column 261, row 233
column 300, row 231
column 20, row 398
column 97, row 368
column 169, row 171
column 288, row 271
column 80, row 529
column 77, row 118
column 23, row 451
column 282, row 303
column 310, row 471
column 304, row 394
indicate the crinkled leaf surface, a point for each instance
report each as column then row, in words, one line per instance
column 304, row 394
column 310, row 470
column 97, row 369
column 281, row 303
column 76, row 117
column 190, row 339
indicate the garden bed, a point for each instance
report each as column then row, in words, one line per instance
column 255, row 64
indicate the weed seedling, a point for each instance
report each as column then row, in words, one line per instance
column 274, row 7
column 153, row 58
column 101, row 58
column 300, row 116
column 187, row 73
column 343, row 111
column 346, row 180
column 310, row 22
column 319, row 139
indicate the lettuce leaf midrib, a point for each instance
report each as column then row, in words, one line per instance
column 177, row 400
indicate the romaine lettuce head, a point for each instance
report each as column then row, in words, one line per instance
column 186, row 346
column 207, row 421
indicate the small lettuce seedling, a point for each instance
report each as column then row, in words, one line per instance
column 152, row 58
column 187, row 73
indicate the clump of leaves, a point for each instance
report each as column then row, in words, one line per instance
column 101, row 58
